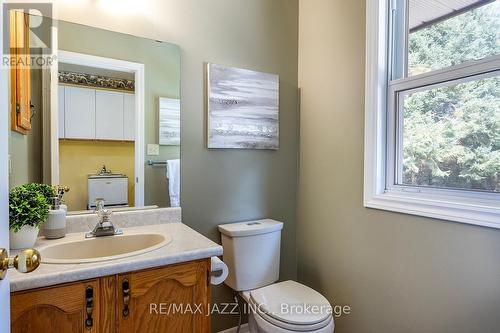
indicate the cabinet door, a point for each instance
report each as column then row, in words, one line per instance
column 67, row 308
column 128, row 117
column 60, row 95
column 109, row 115
column 170, row 299
column 79, row 113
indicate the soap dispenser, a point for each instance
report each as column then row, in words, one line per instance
column 55, row 226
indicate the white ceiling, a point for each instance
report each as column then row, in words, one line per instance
column 422, row 11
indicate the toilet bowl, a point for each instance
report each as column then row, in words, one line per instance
column 252, row 252
column 288, row 307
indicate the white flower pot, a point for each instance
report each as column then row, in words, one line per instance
column 24, row 238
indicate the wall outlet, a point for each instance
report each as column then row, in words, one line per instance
column 153, row 149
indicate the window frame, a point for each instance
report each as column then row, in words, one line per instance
column 381, row 114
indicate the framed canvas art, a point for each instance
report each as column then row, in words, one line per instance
column 243, row 108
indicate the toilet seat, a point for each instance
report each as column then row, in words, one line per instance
column 291, row 306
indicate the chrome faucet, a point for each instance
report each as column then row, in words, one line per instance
column 104, row 171
column 104, row 227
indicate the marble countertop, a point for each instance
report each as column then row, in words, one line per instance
column 187, row 245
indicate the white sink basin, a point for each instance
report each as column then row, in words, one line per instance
column 102, row 248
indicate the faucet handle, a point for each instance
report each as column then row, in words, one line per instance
column 104, row 215
column 99, row 205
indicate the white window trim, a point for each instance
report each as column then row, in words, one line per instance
column 435, row 204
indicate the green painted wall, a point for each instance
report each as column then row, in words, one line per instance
column 162, row 79
column 26, row 150
column 399, row 273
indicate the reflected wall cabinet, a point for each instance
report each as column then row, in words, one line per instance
column 96, row 114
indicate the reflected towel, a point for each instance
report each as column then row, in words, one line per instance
column 174, row 182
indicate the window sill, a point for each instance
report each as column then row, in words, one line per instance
column 439, row 208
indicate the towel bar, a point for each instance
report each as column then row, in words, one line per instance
column 152, row 163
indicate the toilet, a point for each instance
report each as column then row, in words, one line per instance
column 252, row 255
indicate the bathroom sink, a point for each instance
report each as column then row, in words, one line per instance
column 102, row 248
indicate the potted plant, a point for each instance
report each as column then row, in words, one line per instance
column 28, row 208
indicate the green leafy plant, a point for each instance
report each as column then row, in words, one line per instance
column 29, row 204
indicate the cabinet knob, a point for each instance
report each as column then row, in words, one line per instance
column 26, row 261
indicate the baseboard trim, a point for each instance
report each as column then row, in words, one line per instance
column 244, row 329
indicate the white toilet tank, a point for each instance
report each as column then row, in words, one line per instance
column 252, row 253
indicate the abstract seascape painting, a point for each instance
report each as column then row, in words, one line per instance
column 170, row 121
column 243, row 108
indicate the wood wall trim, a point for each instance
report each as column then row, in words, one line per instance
column 20, row 72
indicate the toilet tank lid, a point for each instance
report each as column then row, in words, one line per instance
column 250, row 228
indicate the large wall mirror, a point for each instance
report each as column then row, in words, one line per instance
column 102, row 120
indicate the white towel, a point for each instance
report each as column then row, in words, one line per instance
column 174, row 182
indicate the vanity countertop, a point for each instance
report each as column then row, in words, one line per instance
column 187, row 245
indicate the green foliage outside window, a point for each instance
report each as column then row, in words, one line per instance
column 451, row 135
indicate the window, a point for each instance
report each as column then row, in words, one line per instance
column 451, row 39
column 450, row 136
column 432, row 143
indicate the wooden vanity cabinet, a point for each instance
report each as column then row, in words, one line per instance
column 174, row 298
column 57, row 309
column 170, row 299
